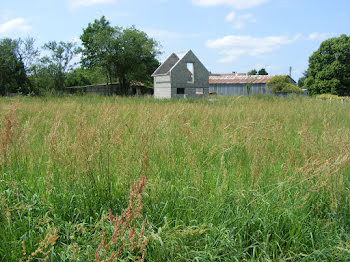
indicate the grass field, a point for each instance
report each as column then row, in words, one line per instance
column 224, row 179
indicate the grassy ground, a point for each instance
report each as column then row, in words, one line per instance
column 227, row 179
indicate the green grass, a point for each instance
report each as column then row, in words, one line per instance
column 228, row 179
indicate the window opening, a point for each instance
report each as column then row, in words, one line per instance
column 199, row 91
column 180, row 91
column 190, row 69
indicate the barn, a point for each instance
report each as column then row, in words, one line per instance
column 181, row 75
column 239, row 84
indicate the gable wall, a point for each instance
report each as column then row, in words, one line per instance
column 179, row 77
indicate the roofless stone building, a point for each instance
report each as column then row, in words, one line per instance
column 181, row 75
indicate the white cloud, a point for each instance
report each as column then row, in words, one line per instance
column 320, row 36
column 86, row 3
column 233, row 46
column 160, row 34
column 240, row 20
column 237, row 4
column 239, row 25
column 245, row 17
column 230, row 17
column 13, row 26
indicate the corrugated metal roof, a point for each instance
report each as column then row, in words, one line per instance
column 238, row 79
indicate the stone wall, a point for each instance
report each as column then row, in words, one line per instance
column 180, row 73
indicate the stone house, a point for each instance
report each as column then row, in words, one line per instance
column 181, row 75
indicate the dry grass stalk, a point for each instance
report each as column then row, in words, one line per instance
column 44, row 249
column 6, row 209
column 125, row 236
column 7, row 133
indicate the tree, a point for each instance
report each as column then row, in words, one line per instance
column 58, row 62
column 29, row 54
column 252, row 72
column 301, row 81
column 135, row 58
column 329, row 68
column 13, row 77
column 79, row 77
column 98, row 40
column 125, row 54
column 281, row 84
column 262, row 71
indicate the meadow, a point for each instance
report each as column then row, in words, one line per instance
column 217, row 179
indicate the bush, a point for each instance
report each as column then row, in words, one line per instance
column 333, row 97
column 281, row 84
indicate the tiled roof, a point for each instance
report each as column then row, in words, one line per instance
column 238, row 79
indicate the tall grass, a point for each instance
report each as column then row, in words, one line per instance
column 228, row 179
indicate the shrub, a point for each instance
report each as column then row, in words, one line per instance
column 333, row 97
column 281, row 84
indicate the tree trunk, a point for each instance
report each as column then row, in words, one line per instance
column 124, row 85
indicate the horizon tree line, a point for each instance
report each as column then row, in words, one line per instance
column 116, row 54
column 108, row 54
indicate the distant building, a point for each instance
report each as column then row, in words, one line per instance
column 136, row 89
column 181, row 75
column 239, row 83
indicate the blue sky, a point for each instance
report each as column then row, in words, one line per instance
column 227, row 35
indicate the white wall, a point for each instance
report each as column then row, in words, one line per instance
column 162, row 87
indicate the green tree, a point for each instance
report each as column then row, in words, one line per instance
column 13, row 77
column 29, row 54
column 281, row 84
column 124, row 54
column 58, row 62
column 99, row 42
column 135, row 58
column 301, row 81
column 252, row 72
column 329, row 68
column 78, row 77
column 262, row 71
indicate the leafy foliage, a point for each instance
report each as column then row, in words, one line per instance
column 301, row 81
column 281, row 84
column 333, row 97
column 109, row 54
column 329, row 68
column 13, row 77
column 98, row 42
column 136, row 57
column 78, row 77
column 252, row 72
column 58, row 62
column 29, row 54
column 127, row 54
column 262, row 71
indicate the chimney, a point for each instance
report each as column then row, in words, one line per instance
column 290, row 72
